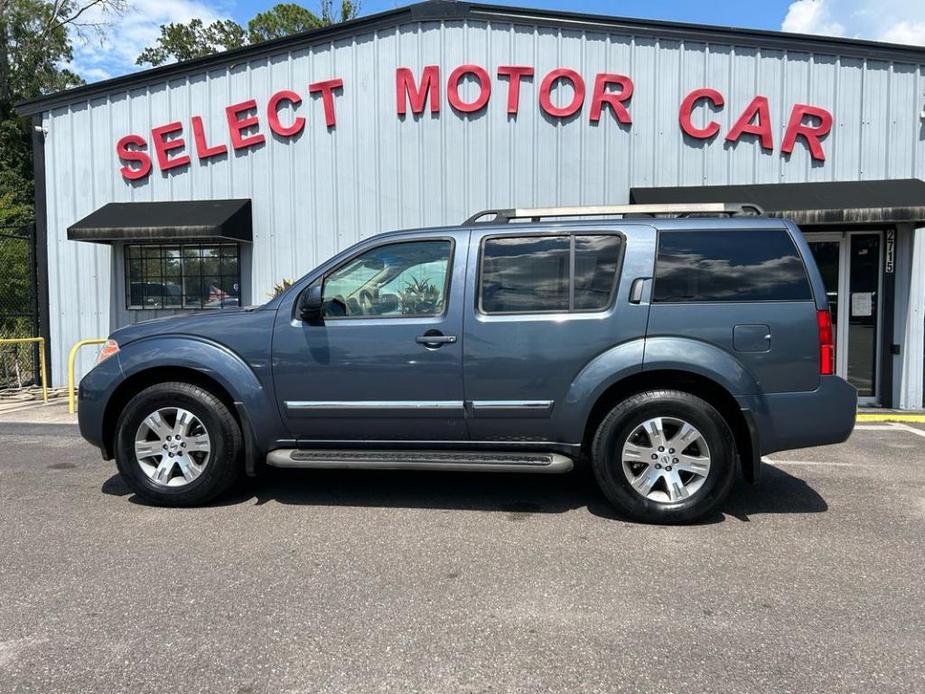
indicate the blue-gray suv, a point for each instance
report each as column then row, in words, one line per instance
column 670, row 347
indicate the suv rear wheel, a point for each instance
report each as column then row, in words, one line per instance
column 664, row 456
column 178, row 445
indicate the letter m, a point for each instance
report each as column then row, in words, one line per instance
column 406, row 90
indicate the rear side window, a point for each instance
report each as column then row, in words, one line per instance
column 545, row 274
column 525, row 274
column 729, row 266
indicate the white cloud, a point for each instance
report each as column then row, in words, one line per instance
column 112, row 52
column 896, row 21
column 811, row 17
column 91, row 74
column 906, row 32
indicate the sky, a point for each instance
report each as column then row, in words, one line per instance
column 113, row 52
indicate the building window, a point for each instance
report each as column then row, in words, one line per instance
column 182, row 276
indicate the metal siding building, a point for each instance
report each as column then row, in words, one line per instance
column 326, row 188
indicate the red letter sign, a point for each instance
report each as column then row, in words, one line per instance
column 613, row 99
column 687, row 106
column 163, row 147
column 515, row 73
column 126, row 154
column 758, row 107
column 811, row 133
column 578, row 98
column 298, row 122
column 203, row 151
column 327, row 87
column 452, row 88
column 405, row 87
column 236, row 126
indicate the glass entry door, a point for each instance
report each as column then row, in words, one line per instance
column 851, row 271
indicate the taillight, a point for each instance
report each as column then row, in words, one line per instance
column 110, row 347
column 826, row 343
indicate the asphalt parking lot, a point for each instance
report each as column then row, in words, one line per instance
column 440, row 582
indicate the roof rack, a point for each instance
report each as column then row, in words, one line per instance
column 535, row 214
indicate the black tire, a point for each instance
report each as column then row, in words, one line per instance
column 226, row 455
column 621, row 422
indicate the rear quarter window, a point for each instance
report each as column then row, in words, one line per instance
column 756, row 265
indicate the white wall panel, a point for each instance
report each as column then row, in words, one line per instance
column 323, row 190
column 716, row 157
column 741, row 156
column 822, row 91
column 875, row 120
column 769, row 82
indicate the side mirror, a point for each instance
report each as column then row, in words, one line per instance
column 310, row 302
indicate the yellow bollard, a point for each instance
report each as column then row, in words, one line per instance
column 41, row 343
column 71, row 357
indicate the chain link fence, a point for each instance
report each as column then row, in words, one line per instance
column 18, row 307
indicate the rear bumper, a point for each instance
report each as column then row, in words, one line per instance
column 813, row 418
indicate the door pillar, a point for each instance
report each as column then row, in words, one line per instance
column 910, row 318
column 887, row 317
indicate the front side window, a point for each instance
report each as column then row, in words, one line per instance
column 719, row 266
column 400, row 280
column 182, row 276
column 547, row 274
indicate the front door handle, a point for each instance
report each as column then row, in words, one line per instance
column 434, row 338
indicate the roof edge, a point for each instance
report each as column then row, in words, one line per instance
column 811, row 203
column 164, row 72
column 439, row 10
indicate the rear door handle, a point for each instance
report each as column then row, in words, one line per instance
column 636, row 290
column 435, row 339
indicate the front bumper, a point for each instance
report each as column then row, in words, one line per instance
column 93, row 395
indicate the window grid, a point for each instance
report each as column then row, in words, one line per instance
column 182, row 276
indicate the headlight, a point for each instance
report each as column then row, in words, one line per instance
column 110, row 347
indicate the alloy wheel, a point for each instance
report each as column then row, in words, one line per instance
column 666, row 459
column 172, row 447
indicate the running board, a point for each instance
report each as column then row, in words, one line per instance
column 419, row 460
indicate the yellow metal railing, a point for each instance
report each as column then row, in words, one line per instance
column 40, row 341
column 71, row 357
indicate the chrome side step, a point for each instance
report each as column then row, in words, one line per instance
column 419, row 460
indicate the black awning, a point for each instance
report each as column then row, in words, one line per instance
column 193, row 220
column 843, row 202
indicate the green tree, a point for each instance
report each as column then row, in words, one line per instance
column 348, row 10
column 34, row 42
column 194, row 39
column 282, row 20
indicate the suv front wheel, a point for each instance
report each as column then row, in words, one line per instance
column 177, row 444
column 664, row 456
